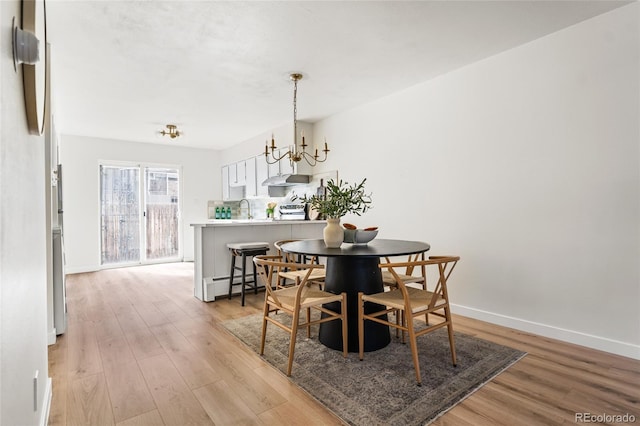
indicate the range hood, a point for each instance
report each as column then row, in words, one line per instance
column 287, row 180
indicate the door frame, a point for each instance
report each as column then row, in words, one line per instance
column 141, row 212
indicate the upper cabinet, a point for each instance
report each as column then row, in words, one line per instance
column 244, row 178
column 251, row 182
column 262, row 173
column 274, row 169
column 286, row 168
column 238, row 173
column 225, row 182
column 229, row 191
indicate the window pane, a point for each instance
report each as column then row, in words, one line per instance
column 120, row 214
column 162, row 215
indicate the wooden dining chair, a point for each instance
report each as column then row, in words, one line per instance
column 291, row 300
column 409, row 275
column 408, row 302
column 293, row 275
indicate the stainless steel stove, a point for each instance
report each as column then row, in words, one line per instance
column 292, row 211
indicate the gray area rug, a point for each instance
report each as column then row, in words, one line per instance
column 381, row 389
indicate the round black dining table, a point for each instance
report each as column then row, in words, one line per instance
column 353, row 268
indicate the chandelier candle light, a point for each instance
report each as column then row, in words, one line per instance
column 296, row 154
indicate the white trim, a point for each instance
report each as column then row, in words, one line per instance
column 51, row 337
column 46, row 408
column 96, row 268
column 81, row 269
column 142, row 195
column 595, row 342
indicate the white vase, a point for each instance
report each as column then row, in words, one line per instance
column 333, row 233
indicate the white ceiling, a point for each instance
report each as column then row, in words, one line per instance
column 219, row 69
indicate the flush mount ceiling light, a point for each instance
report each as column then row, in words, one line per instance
column 294, row 155
column 172, row 131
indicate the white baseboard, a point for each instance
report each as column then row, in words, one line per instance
column 46, row 408
column 95, row 268
column 594, row 342
column 51, row 337
column 80, row 269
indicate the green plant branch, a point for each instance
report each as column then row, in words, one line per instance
column 340, row 199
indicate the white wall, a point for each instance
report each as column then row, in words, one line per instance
column 80, row 158
column 23, row 290
column 282, row 135
column 527, row 165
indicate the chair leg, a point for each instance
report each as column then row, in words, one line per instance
column 255, row 280
column 308, row 321
column 345, row 340
column 414, row 348
column 360, row 326
column 426, row 315
column 403, row 320
column 452, row 343
column 265, row 313
column 292, row 341
column 233, row 270
column 244, row 280
column 404, row 324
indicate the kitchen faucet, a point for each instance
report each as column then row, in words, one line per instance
column 248, row 208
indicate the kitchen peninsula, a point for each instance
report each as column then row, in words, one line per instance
column 212, row 259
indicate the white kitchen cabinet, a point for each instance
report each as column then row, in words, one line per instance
column 274, row 169
column 225, row 182
column 250, row 183
column 262, row 173
column 237, row 174
column 286, row 168
column 241, row 173
column 233, row 173
column 230, row 192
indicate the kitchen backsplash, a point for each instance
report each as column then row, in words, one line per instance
column 259, row 205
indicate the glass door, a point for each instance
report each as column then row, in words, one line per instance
column 162, row 215
column 139, row 214
column 120, row 214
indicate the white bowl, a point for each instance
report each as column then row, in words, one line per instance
column 363, row 237
column 349, row 235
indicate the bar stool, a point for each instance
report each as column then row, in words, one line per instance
column 244, row 250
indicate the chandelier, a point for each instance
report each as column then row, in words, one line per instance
column 297, row 154
column 172, row 131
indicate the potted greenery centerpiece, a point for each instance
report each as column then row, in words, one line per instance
column 340, row 199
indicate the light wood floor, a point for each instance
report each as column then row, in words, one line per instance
column 141, row 350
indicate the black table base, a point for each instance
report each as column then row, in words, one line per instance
column 353, row 275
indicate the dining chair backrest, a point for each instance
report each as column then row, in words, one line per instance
column 411, row 259
column 288, row 257
column 444, row 266
column 292, row 257
column 268, row 268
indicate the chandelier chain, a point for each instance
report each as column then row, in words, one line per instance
column 295, row 110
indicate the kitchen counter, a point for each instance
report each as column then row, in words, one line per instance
column 244, row 222
column 212, row 260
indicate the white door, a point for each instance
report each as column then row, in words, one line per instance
column 140, row 214
column 162, row 213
